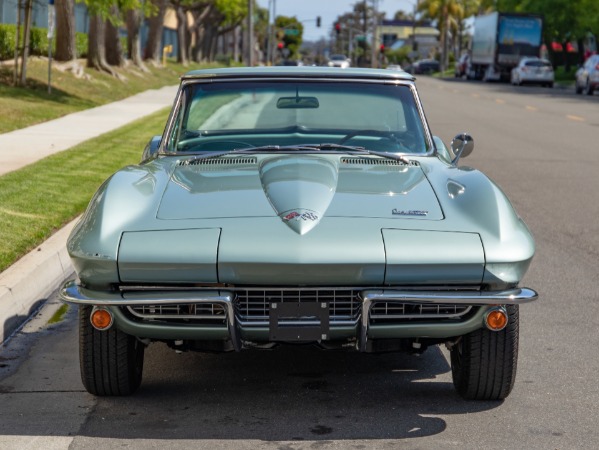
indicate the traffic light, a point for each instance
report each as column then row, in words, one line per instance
column 382, row 48
column 280, row 45
column 318, row 21
column 337, row 28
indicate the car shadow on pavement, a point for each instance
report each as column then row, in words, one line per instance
column 292, row 393
column 13, row 323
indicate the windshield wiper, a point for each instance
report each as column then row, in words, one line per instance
column 362, row 150
column 350, row 149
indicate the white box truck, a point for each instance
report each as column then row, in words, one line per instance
column 500, row 40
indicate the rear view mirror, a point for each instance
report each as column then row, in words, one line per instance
column 297, row 102
column 461, row 146
column 151, row 148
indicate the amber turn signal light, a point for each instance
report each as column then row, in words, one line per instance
column 496, row 319
column 101, row 319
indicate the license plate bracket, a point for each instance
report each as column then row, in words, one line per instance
column 299, row 321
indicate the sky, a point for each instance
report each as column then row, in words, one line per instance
column 328, row 10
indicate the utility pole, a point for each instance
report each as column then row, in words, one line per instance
column 414, row 43
column 273, row 32
column 269, row 35
column 373, row 58
column 250, row 33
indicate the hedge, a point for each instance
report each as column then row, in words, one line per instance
column 38, row 42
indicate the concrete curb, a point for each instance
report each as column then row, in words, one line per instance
column 25, row 285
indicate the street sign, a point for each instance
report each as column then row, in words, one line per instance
column 51, row 20
column 291, row 32
column 361, row 38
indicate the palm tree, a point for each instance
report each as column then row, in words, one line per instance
column 446, row 13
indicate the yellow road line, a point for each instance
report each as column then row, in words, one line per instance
column 500, row 101
column 532, row 108
column 475, row 95
column 576, row 118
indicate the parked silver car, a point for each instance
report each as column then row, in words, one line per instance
column 533, row 71
column 287, row 205
column 587, row 77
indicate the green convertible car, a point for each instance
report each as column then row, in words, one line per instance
column 300, row 205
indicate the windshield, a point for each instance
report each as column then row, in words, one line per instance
column 234, row 115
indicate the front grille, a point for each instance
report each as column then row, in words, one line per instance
column 206, row 313
column 252, row 306
column 395, row 312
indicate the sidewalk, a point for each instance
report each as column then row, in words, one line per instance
column 27, row 283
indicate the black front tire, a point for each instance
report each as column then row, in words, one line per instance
column 588, row 89
column 484, row 362
column 111, row 361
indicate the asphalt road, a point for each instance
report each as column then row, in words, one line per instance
column 540, row 146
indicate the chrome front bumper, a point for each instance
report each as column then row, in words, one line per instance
column 74, row 293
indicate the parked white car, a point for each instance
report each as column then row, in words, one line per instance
column 587, row 77
column 533, row 71
column 341, row 61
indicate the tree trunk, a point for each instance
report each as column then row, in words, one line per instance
column 210, row 33
column 26, row 33
column 236, row 44
column 197, row 53
column 114, row 49
column 134, row 18
column 444, row 37
column 182, row 54
column 198, row 30
column 96, row 48
column 17, row 42
column 65, row 31
column 153, row 46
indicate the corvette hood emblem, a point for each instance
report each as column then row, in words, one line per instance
column 299, row 215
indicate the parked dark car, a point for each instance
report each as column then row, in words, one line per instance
column 424, row 67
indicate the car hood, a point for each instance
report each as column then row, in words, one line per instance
column 299, row 189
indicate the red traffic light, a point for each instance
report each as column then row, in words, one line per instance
column 382, row 48
column 280, row 46
column 337, row 27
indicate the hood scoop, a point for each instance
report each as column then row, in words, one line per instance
column 299, row 189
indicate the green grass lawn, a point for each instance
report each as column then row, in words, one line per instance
column 22, row 107
column 39, row 199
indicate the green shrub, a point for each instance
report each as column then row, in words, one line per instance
column 81, row 45
column 7, row 41
column 38, row 42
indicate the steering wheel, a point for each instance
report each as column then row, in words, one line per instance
column 218, row 145
column 407, row 142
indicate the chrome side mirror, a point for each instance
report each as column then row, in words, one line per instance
column 461, row 146
column 151, row 149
